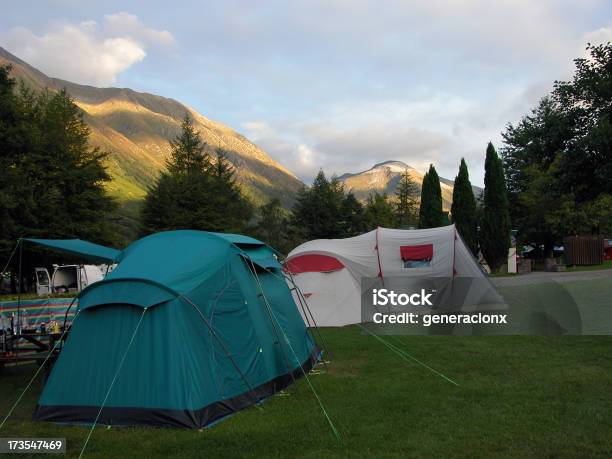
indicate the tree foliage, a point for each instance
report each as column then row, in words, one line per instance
column 326, row 210
column 197, row 191
column 406, row 201
column 495, row 228
column 317, row 210
column 463, row 208
column 558, row 158
column 379, row 211
column 271, row 226
column 52, row 182
column 430, row 211
column 353, row 216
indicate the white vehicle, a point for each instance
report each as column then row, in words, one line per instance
column 67, row 278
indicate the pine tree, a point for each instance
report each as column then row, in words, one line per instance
column 271, row 226
column 10, row 124
column 53, row 184
column 406, row 204
column 232, row 210
column 463, row 209
column 195, row 192
column 77, row 173
column 430, row 212
column 188, row 151
column 495, row 228
column 317, row 210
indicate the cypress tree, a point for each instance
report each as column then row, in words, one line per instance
column 430, row 212
column 495, row 228
column 463, row 209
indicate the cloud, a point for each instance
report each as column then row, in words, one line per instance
column 126, row 24
column 337, row 84
column 434, row 128
column 87, row 52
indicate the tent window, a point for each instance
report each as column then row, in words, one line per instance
column 417, row 256
column 313, row 263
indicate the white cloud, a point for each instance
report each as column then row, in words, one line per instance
column 126, row 24
column 87, row 52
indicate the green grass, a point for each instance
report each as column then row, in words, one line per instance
column 517, row 396
column 606, row 265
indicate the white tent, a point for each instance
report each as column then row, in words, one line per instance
column 329, row 271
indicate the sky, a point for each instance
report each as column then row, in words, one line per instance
column 339, row 84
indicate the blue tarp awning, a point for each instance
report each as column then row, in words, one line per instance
column 84, row 249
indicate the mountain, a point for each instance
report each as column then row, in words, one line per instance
column 384, row 177
column 135, row 127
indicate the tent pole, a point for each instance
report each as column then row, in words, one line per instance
column 19, row 290
column 453, row 273
column 68, row 310
column 269, row 311
column 380, row 272
column 10, row 257
column 301, row 295
column 300, row 302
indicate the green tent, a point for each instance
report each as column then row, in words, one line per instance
column 189, row 328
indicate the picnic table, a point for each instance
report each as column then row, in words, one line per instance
column 30, row 346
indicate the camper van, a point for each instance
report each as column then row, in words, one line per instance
column 66, row 278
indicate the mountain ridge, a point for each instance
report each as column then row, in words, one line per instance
column 384, row 177
column 135, row 127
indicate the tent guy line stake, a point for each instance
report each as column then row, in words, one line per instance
column 36, row 374
column 407, row 356
column 110, row 388
column 331, row 424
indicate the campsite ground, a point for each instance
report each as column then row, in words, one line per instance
column 517, row 396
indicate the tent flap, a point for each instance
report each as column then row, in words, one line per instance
column 137, row 292
column 84, row 249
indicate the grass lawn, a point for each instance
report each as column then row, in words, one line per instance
column 518, row 396
column 607, row 264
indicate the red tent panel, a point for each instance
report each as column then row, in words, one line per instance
column 417, row 252
column 312, row 264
